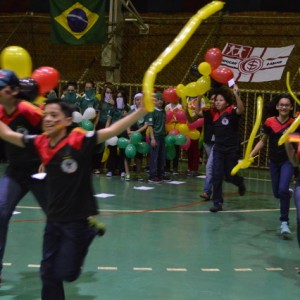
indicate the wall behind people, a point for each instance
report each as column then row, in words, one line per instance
column 259, row 29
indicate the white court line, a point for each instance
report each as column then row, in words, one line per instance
column 273, row 269
column 108, row 268
column 33, row 266
column 142, row 269
column 178, row 211
column 176, row 269
column 211, row 270
column 7, row 264
column 243, row 269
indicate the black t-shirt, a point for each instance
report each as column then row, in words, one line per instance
column 226, row 127
column 70, row 191
column 208, row 126
column 274, row 129
column 26, row 119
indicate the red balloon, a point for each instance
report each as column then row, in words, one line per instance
column 222, row 75
column 174, row 131
column 214, row 57
column 47, row 78
column 180, row 116
column 169, row 95
column 169, row 116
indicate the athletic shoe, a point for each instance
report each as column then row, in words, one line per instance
column 123, row 174
column 284, row 230
column 205, row 196
column 109, row 174
column 242, row 189
column 96, row 171
column 216, row 208
column 291, row 191
column 155, row 180
column 127, row 177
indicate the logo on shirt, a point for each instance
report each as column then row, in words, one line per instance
column 225, row 121
column 69, row 165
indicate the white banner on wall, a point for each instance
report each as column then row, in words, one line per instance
column 255, row 64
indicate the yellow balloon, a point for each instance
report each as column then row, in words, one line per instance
column 247, row 161
column 169, row 126
column 291, row 129
column 183, row 128
column 190, row 89
column 204, row 68
column 40, row 100
column 194, row 134
column 203, row 84
column 173, row 49
column 17, row 59
column 179, row 90
column 289, row 88
column 105, row 154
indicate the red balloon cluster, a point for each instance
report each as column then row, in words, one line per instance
column 169, row 95
column 220, row 74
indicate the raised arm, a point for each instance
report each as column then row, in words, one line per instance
column 11, row 136
column 239, row 102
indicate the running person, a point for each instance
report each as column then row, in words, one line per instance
column 66, row 155
column 20, row 116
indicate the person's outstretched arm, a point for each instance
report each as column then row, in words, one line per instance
column 11, row 136
column 120, row 126
column 259, row 145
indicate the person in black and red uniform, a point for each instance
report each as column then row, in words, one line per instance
column 281, row 169
column 21, row 116
column 226, row 149
column 66, row 155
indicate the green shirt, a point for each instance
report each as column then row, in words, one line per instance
column 157, row 120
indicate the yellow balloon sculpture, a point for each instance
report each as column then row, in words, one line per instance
column 17, row 59
column 295, row 124
column 173, row 49
column 247, row 161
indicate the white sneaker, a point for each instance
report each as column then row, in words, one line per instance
column 109, row 174
column 284, row 229
column 123, row 174
column 291, row 191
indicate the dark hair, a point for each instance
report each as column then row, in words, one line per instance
column 271, row 109
column 124, row 94
column 225, row 92
column 91, row 82
column 72, row 83
column 66, row 108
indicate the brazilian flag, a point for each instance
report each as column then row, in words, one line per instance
column 78, row 22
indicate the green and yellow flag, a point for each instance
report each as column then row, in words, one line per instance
column 78, row 22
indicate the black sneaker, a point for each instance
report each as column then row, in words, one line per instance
column 155, row 180
column 216, row 208
column 242, row 189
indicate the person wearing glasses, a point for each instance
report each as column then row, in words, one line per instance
column 281, row 169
